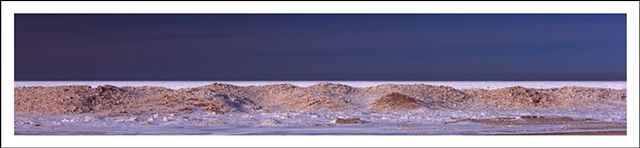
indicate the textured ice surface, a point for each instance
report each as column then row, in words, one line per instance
column 411, row 123
column 422, row 122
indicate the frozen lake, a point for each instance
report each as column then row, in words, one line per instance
column 454, row 84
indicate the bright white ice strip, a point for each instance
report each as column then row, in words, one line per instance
column 455, row 84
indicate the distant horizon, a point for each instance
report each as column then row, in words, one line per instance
column 320, row 47
column 349, row 80
column 356, row 80
column 454, row 84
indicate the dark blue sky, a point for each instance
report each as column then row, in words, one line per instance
column 320, row 47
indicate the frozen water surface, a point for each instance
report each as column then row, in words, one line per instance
column 415, row 123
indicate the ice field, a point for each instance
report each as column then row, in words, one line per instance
column 420, row 122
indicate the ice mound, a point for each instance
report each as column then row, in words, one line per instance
column 72, row 99
column 189, row 101
column 395, row 101
column 515, row 97
column 349, row 121
column 218, row 98
column 330, row 88
column 436, row 96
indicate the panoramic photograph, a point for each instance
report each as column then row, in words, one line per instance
column 320, row 74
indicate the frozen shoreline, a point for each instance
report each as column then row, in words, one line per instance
column 307, row 124
column 279, row 109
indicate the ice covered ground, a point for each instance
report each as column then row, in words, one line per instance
column 432, row 123
column 454, row 84
column 421, row 122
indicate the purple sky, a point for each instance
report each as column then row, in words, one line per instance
column 320, row 47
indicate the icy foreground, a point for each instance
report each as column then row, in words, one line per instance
column 321, row 109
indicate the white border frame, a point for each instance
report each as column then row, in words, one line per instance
column 9, row 8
